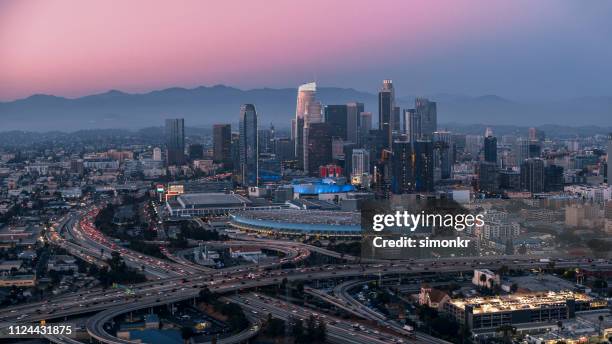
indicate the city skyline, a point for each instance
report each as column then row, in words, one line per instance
column 467, row 47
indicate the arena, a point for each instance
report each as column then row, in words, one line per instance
column 298, row 222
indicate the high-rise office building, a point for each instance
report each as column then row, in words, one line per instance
column 488, row 177
column 412, row 124
column 553, row 178
column 319, row 149
column 423, row 166
column 307, row 110
column 360, row 167
column 175, row 141
column 249, row 153
column 609, row 159
column 360, row 161
column 427, row 111
column 336, row 117
column 386, row 105
column 527, row 149
column 403, row 178
column 157, row 154
column 222, row 143
column 490, row 149
column 444, row 152
column 532, row 175
column 284, row 149
column 353, row 112
column 365, row 125
column 264, row 137
column 396, row 119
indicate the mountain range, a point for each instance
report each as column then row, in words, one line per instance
column 203, row 106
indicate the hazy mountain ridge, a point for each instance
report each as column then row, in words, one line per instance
column 203, row 106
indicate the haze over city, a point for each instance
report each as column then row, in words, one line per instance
column 312, row 172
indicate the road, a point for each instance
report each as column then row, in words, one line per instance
column 177, row 282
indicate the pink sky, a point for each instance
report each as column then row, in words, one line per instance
column 72, row 48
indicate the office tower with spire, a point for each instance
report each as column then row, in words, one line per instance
column 427, row 112
column 248, row 145
column 175, row 141
column 386, row 105
column 307, row 110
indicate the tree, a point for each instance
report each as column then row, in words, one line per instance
column 483, row 279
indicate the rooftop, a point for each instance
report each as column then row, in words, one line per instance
column 196, row 200
column 516, row 302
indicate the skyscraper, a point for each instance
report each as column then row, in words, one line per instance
column 532, row 175
column 412, row 124
column 249, row 153
column 553, row 178
column 443, row 154
column 427, row 111
column 487, row 177
column 175, row 141
column 336, row 117
column 157, row 154
column 222, row 143
column 396, row 119
column 365, row 125
column 402, row 180
column 423, row 166
column 307, row 110
column 386, row 104
column 360, row 162
column 490, row 149
column 353, row 112
column 610, row 159
column 319, row 149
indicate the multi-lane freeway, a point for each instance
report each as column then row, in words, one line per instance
column 177, row 282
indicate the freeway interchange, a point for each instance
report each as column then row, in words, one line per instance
column 178, row 280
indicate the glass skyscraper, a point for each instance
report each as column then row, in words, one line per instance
column 175, row 141
column 248, row 150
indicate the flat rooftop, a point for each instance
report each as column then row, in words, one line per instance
column 515, row 302
column 212, row 200
column 541, row 283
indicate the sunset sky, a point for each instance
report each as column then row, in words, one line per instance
column 513, row 48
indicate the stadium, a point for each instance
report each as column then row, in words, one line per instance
column 298, row 222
